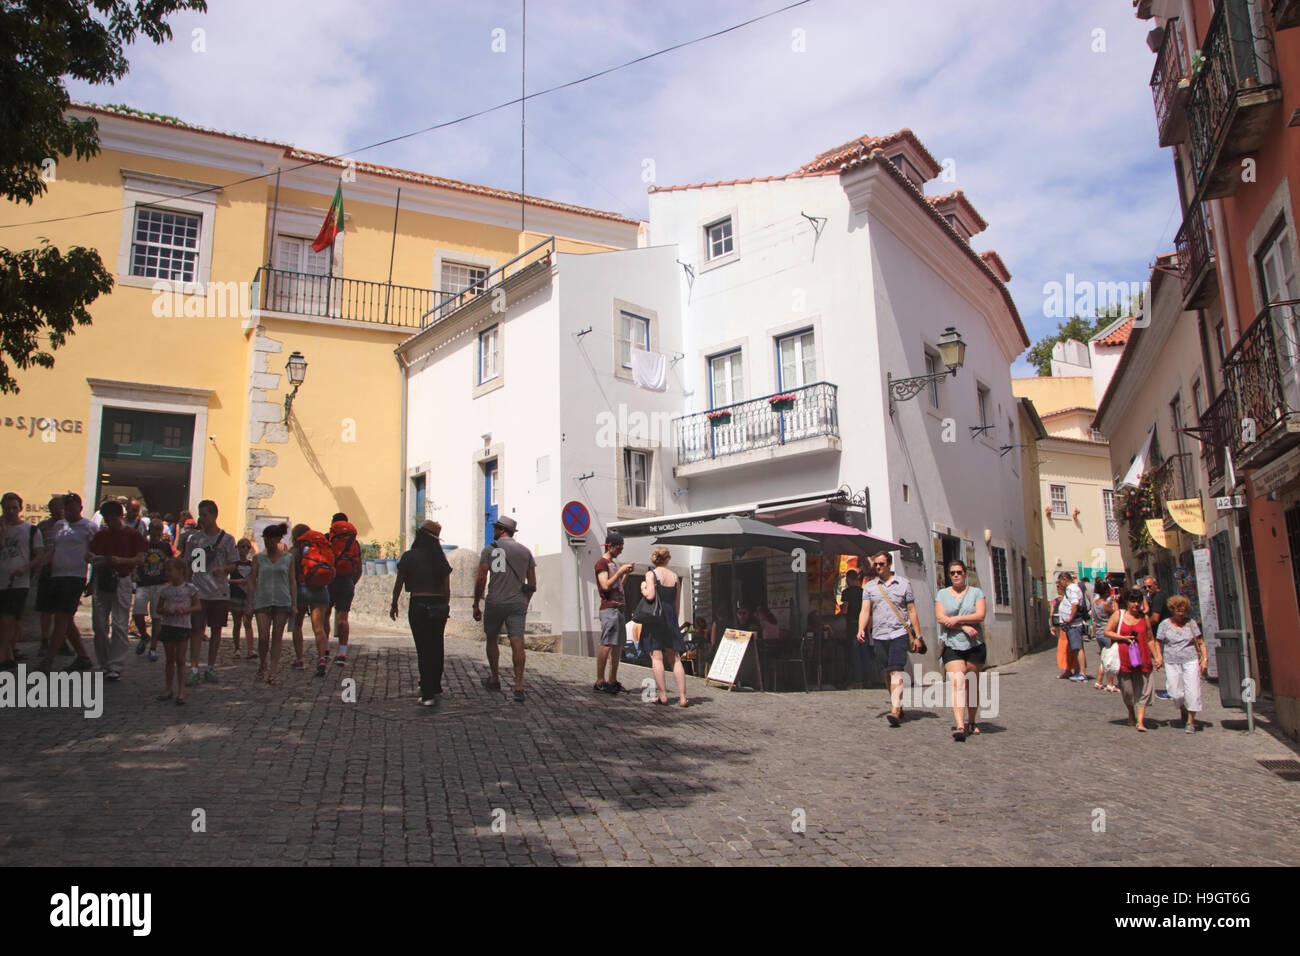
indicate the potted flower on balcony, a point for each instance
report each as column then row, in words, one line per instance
column 782, row 403
column 720, row 417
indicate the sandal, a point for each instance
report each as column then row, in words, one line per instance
column 972, row 729
column 519, row 697
column 492, row 684
column 661, row 703
column 683, row 703
column 895, row 720
column 959, row 734
column 1098, row 686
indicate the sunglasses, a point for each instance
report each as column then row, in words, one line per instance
column 879, row 564
column 956, row 572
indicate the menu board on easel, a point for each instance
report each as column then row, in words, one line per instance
column 730, row 655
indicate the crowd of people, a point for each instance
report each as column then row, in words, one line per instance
column 1138, row 632
column 178, row 581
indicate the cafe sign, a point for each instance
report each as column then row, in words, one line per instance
column 1187, row 513
column 1156, row 528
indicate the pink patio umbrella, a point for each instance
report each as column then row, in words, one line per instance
column 836, row 538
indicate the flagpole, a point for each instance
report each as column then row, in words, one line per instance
column 392, row 249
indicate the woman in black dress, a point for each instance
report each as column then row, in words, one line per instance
column 664, row 640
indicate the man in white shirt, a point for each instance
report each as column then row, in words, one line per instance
column 1073, row 613
column 71, row 556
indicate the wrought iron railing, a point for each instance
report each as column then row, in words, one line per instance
column 1195, row 246
column 756, row 423
column 1254, row 398
column 452, row 301
column 356, row 300
column 1171, row 68
column 1253, row 373
column 1234, row 59
column 1215, row 425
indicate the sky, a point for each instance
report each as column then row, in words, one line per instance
column 1042, row 106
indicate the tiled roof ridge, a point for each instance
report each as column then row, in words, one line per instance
column 391, row 172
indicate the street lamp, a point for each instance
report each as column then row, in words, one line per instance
column 952, row 353
column 296, row 368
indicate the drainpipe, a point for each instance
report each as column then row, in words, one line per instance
column 401, row 518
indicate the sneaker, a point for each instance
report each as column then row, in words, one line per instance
column 614, row 687
column 1162, row 695
column 153, row 655
column 600, row 686
column 210, row 675
column 429, row 701
column 139, row 648
column 1189, row 729
column 112, row 675
column 298, row 664
column 320, row 667
column 1079, row 677
column 341, row 660
column 192, row 679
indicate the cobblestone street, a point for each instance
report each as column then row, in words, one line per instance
column 295, row 775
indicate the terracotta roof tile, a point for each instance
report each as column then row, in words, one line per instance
column 1067, row 411
column 957, row 198
column 1119, row 336
column 995, row 262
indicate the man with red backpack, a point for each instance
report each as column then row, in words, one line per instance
column 347, row 571
column 315, row 561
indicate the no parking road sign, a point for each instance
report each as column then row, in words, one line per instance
column 576, row 520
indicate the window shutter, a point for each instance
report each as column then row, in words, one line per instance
column 972, row 572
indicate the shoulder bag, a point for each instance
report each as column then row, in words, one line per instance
column 907, row 625
column 649, row 611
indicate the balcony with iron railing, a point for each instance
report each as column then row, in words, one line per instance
column 1258, row 413
column 759, row 430
column 536, row 257
column 1234, row 92
column 334, row 297
column 1286, row 14
column 1196, row 264
column 1171, row 85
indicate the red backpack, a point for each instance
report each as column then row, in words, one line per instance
column 316, row 559
column 347, row 553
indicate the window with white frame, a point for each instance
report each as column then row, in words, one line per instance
column 459, row 276
column 634, row 333
column 718, row 240
column 726, row 379
column 982, row 396
column 489, row 354
column 165, row 244
column 1001, row 589
column 636, row 478
column 1277, row 271
column 931, row 367
column 301, row 282
column 797, row 356
column 1059, row 499
column 1108, row 511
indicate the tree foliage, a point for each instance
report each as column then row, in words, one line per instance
column 42, row 43
column 1080, row 328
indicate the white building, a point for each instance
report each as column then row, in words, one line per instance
column 820, row 284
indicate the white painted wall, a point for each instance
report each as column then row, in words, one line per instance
column 1105, row 359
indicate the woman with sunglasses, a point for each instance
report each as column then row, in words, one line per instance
column 1139, row 654
column 959, row 610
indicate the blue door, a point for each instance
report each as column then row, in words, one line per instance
column 489, row 500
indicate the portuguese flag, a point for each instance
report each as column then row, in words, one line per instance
column 333, row 223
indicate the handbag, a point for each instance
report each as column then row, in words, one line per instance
column 907, row 625
column 648, row 611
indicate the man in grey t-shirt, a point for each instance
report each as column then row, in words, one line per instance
column 514, row 579
column 889, row 631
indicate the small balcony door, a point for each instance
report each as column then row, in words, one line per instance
column 727, row 387
column 301, row 284
column 797, row 367
column 1277, row 269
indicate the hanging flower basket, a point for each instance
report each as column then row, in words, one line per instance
column 719, row 418
column 781, row 403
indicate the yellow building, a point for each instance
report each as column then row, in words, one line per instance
column 176, row 392
column 1080, row 533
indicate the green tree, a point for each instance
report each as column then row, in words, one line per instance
column 1080, row 328
column 42, row 42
